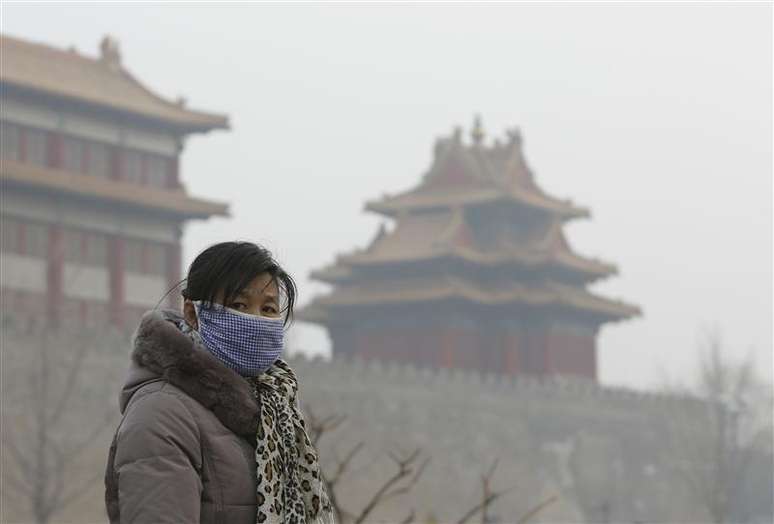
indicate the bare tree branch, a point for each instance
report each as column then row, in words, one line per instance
column 404, row 470
column 70, row 383
column 713, row 454
column 406, row 488
column 74, row 494
column 478, row 507
column 537, row 509
column 318, row 427
column 342, row 465
column 488, row 497
column 23, row 462
column 96, row 431
column 50, row 373
column 58, row 474
column 400, row 483
column 409, row 518
column 13, row 481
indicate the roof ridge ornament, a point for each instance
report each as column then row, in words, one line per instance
column 110, row 52
column 380, row 234
column 514, row 136
column 477, row 133
column 457, row 135
column 441, row 147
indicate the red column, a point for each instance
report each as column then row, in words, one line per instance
column 570, row 352
column 533, row 350
column 593, row 357
column 489, row 356
column 116, row 163
column 343, row 341
column 55, row 150
column 21, row 245
column 144, row 169
column 174, row 261
column 85, row 156
column 511, row 364
column 447, row 346
column 173, row 172
column 22, row 144
column 54, row 274
column 549, row 350
column 117, row 279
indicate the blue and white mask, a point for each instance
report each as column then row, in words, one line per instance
column 248, row 344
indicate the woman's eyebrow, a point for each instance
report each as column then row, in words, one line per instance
column 265, row 292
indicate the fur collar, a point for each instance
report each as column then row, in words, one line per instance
column 162, row 348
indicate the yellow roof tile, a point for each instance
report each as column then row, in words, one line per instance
column 100, row 82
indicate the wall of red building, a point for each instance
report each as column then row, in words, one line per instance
column 54, row 307
column 509, row 349
column 571, row 352
column 57, row 308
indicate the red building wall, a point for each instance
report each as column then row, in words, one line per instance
column 511, row 349
column 571, row 351
column 61, row 151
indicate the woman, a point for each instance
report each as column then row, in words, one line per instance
column 211, row 428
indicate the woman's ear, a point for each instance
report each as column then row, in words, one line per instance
column 189, row 314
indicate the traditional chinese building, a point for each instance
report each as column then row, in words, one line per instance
column 92, row 200
column 476, row 273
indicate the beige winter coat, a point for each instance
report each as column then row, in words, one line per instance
column 184, row 450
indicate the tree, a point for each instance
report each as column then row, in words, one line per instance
column 58, row 399
column 409, row 469
column 715, row 455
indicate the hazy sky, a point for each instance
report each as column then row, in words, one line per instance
column 657, row 117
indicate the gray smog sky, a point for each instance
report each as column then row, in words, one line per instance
column 656, row 116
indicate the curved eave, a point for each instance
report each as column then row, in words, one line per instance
column 332, row 274
column 605, row 309
column 313, row 313
column 589, row 268
column 184, row 121
column 164, row 201
column 393, row 206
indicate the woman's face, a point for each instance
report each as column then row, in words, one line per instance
column 260, row 298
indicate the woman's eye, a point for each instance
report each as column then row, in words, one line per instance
column 270, row 310
column 239, row 306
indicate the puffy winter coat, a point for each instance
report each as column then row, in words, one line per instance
column 184, row 451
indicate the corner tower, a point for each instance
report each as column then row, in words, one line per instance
column 475, row 273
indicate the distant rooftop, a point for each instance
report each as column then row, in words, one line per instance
column 476, row 173
column 102, row 82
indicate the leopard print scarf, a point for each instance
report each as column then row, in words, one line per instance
column 290, row 485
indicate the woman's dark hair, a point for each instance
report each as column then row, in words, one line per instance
column 229, row 267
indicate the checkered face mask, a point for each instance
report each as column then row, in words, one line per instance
column 248, row 344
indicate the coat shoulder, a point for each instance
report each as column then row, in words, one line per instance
column 156, row 413
column 161, row 398
column 159, row 386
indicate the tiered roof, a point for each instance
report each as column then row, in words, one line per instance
column 171, row 202
column 98, row 82
column 55, row 75
column 463, row 175
column 446, row 236
column 444, row 288
column 437, row 252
